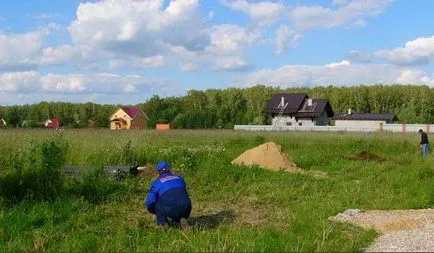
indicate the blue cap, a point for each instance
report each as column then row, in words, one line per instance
column 162, row 165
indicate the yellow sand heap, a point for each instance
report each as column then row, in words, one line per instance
column 268, row 156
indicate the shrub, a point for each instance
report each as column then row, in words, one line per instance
column 35, row 171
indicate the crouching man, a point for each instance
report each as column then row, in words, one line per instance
column 168, row 198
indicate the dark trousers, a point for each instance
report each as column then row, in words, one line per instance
column 172, row 214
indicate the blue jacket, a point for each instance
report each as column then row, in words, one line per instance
column 169, row 190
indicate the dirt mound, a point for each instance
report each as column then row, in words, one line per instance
column 269, row 156
column 366, row 155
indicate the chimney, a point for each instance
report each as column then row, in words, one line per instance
column 349, row 111
column 282, row 102
column 309, row 102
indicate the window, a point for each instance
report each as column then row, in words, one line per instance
column 300, row 124
column 289, row 123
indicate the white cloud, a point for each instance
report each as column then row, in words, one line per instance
column 27, row 50
column 414, row 76
column 151, row 62
column 338, row 64
column 20, row 50
column 263, row 12
column 100, row 83
column 231, row 63
column 157, row 61
column 225, row 52
column 144, row 34
column 60, row 55
column 188, row 66
column 231, row 38
column 418, row 51
column 139, row 27
column 343, row 73
column 354, row 13
column 286, row 37
column 358, row 56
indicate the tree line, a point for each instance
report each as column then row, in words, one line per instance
column 223, row 108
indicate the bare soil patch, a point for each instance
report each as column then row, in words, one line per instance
column 245, row 213
column 366, row 156
column 402, row 230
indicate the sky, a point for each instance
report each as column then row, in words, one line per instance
column 125, row 51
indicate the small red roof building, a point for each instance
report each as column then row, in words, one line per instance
column 52, row 123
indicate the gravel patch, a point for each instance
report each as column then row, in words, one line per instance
column 401, row 230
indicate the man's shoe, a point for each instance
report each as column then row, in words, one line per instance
column 184, row 223
column 163, row 226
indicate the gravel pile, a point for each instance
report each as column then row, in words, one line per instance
column 402, row 230
column 417, row 240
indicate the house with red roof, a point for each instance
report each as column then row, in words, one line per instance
column 52, row 123
column 129, row 117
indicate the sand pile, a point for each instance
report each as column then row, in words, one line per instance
column 268, row 156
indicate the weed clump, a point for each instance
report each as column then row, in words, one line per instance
column 35, row 171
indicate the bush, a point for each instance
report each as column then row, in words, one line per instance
column 35, row 171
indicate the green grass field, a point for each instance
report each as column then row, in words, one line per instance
column 234, row 208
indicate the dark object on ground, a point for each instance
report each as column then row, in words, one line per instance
column 118, row 171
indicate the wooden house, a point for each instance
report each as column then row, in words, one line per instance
column 130, row 117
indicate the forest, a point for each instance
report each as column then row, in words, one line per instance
column 223, row 108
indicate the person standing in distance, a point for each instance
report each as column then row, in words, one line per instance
column 168, row 198
column 424, row 143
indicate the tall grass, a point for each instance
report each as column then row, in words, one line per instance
column 234, row 208
column 35, row 171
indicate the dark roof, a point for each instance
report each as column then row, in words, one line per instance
column 294, row 100
column 316, row 109
column 132, row 111
column 388, row 117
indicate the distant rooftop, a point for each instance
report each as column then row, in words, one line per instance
column 388, row 117
column 132, row 111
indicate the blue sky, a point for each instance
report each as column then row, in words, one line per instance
column 125, row 51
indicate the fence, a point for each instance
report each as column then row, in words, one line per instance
column 396, row 128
